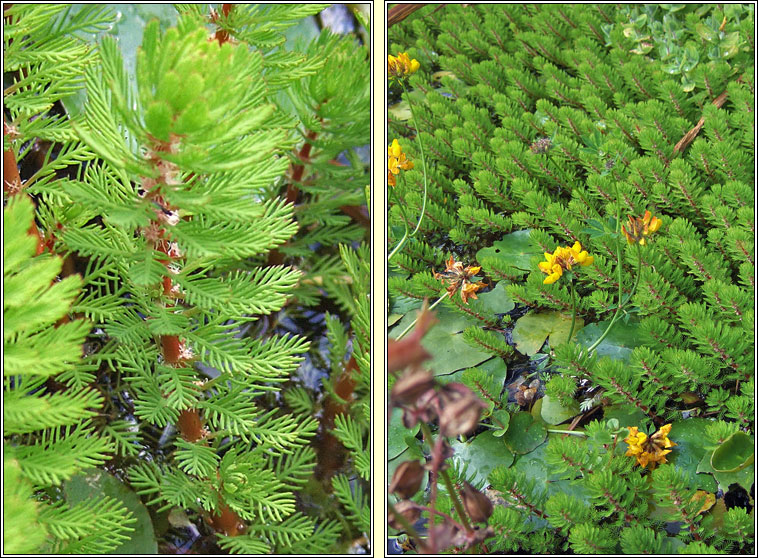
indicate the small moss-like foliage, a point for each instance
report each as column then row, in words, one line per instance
column 561, row 123
column 156, row 261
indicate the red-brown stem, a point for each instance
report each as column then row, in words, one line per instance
column 171, row 348
column 11, row 176
column 12, row 186
column 299, row 169
column 226, row 521
column 331, row 453
column 356, row 212
column 275, row 257
column 399, row 12
column 222, row 35
column 190, row 425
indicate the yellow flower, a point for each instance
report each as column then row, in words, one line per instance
column 457, row 276
column 649, row 451
column 401, row 66
column 396, row 161
column 640, row 227
column 562, row 259
column 394, row 150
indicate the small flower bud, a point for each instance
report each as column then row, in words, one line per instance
column 410, row 386
column 478, row 506
column 460, row 410
column 422, row 409
column 407, row 479
column 408, row 510
column 445, row 535
column 542, row 145
column 525, row 394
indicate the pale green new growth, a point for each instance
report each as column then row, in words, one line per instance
column 171, row 215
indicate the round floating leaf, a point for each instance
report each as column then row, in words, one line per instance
column 744, row 477
column 534, row 466
column 495, row 367
column 553, row 412
column 96, row 483
column 618, row 344
column 502, row 419
column 734, row 454
column 515, row 249
column 396, row 434
column 689, row 437
column 531, row 330
column 524, row 433
column 627, row 415
column 497, row 301
column 481, row 455
column 445, row 343
column 400, row 111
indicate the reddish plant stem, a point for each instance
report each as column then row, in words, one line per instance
column 189, row 423
column 399, row 12
column 331, row 452
column 225, row 520
column 12, row 186
column 275, row 257
column 222, row 35
column 299, row 170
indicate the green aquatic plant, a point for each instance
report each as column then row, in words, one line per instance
column 169, row 197
column 552, row 127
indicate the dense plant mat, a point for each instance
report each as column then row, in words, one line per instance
column 186, row 340
column 587, row 171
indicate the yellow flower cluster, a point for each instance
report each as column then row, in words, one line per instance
column 649, row 451
column 639, row 228
column 401, row 66
column 395, row 162
column 457, row 276
column 562, row 259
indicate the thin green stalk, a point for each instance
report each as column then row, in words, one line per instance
column 573, row 309
column 621, row 304
column 423, row 159
column 409, row 529
column 570, row 432
column 454, row 497
column 618, row 308
column 405, row 234
column 446, row 479
column 413, row 323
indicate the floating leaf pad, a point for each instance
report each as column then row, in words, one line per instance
column 524, row 433
column 514, row 249
column 531, row 330
column 744, row 477
column 555, row 413
column 502, row 419
column 482, row 454
column 445, row 342
column 396, row 434
column 497, row 301
column 96, row 483
column 734, row 454
column 689, row 437
column 619, row 342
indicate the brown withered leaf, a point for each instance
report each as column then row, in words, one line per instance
column 461, row 409
column 407, row 479
column 478, row 506
column 410, row 386
column 408, row 510
column 690, row 136
column 409, row 351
